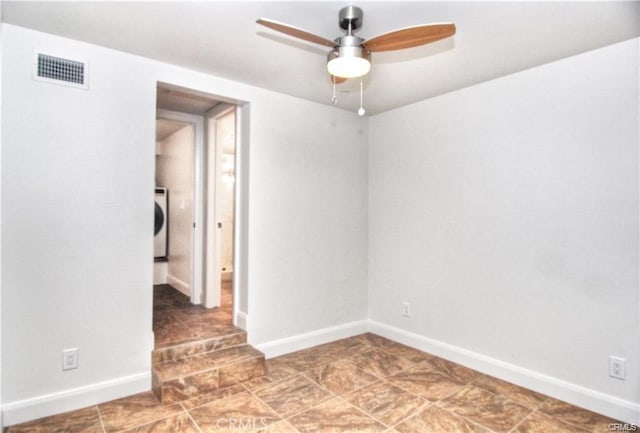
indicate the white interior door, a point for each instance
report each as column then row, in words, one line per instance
column 221, row 129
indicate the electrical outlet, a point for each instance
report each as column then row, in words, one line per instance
column 406, row 312
column 69, row 359
column 617, row 367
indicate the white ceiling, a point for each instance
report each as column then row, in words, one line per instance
column 221, row 38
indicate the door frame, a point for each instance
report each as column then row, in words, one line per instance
column 241, row 290
column 213, row 244
column 197, row 232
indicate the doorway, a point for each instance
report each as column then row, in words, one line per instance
column 174, row 202
column 195, row 168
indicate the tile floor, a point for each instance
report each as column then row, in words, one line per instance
column 360, row 384
column 177, row 321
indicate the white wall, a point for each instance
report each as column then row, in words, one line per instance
column 507, row 215
column 77, row 171
column 76, row 200
column 308, row 209
column 174, row 171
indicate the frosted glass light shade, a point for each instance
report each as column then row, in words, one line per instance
column 349, row 67
column 348, row 61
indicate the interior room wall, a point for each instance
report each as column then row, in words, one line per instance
column 308, row 211
column 77, row 171
column 175, row 171
column 506, row 214
column 77, row 177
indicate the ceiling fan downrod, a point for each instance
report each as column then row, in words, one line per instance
column 350, row 18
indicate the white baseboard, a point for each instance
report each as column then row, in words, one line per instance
column 241, row 320
column 310, row 339
column 595, row 401
column 182, row 286
column 160, row 272
column 71, row 399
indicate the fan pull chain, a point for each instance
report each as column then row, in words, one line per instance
column 334, row 99
column 361, row 110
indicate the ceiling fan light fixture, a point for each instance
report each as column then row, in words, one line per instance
column 349, row 62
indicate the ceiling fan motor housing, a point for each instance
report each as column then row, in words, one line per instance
column 349, row 51
column 350, row 18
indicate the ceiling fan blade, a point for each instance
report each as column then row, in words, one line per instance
column 295, row 32
column 410, row 37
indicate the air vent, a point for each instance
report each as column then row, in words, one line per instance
column 59, row 70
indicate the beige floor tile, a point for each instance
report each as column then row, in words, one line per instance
column 196, row 314
column 280, row 427
column 135, row 411
column 274, row 373
column 457, row 371
column 176, row 424
column 166, row 297
column 437, row 420
column 575, row 416
column 381, row 363
column 279, row 365
column 211, row 329
column 335, row 416
column 175, row 369
column 407, row 352
column 300, row 362
column 386, row 403
column 429, row 384
column 310, row 359
column 219, row 394
column 177, row 321
column 515, row 393
column 293, row 395
column 77, row 421
column 239, row 412
column 485, row 408
column 373, row 340
column 351, row 346
column 541, row 423
column 168, row 333
column 341, row 377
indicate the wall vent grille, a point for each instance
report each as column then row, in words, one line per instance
column 59, row 70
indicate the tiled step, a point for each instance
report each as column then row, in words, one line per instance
column 189, row 377
column 234, row 337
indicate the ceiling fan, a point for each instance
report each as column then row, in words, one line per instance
column 350, row 55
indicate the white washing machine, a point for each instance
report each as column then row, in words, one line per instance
column 161, row 222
